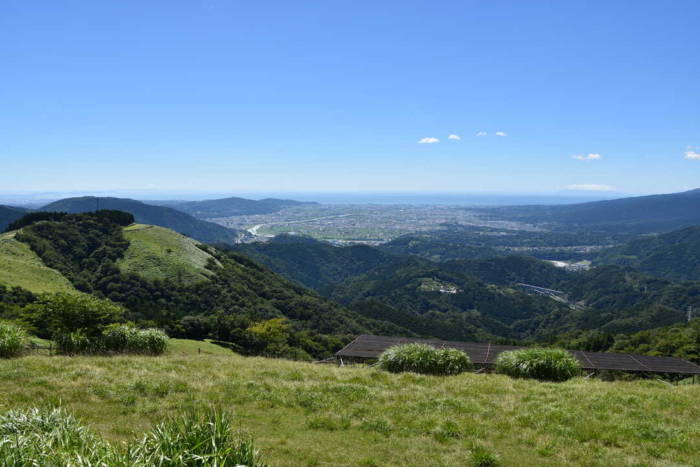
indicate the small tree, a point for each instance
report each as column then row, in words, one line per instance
column 79, row 313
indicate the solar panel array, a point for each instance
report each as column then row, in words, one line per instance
column 365, row 347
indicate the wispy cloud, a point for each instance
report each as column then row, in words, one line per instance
column 481, row 133
column 590, row 187
column 428, row 140
column 501, row 133
column 587, row 157
column 692, row 155
column 454, row 137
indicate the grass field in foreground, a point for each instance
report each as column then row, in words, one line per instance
column 305, row 414
column 159, row 253
column 21, row 267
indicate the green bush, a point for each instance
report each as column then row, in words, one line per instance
column 66, row 313
column 13, row 340
column 537, row 363
column 422, row 358
column 54, row 438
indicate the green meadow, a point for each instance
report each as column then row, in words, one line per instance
column 305, row 414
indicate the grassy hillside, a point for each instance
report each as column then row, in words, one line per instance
column 159, row 253
column 148, row 214
column 304, row 414
column 21, row 267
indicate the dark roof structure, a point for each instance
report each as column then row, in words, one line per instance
column 369, row 347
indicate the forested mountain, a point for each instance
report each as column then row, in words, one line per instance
column 313, row 263
column 472, row 242
column 9, row 214
column 233, row 206
column 222, row 296
column 471, row 306
column 640, row 214
column 510, row 270
column 147, row 214
column 674, row 255
column 477, row 298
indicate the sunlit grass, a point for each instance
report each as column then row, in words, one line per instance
column 21, row 267
column 159, row 253
column 305, row 414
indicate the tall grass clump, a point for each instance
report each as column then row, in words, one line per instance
column 50, row 438
column 13, row 340
column 422, row 358
column 114, row 339
column 54, row 438
column 197, row 438
column 128, row 339
column 537, row 363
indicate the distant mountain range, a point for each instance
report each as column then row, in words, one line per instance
column 227, row 207
column 162, row 216
column 640, row 214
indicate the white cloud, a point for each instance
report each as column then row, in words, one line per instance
column 454, row 137
column 590, row 187
column 428, row 140
column 481, row 133
column 692, row 155
column 501, row 133
column 587, row 157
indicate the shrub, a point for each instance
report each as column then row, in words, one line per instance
column 422, row 358
column 13, row 339
column 542, row 364
column 69, row 313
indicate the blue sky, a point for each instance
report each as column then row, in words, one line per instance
column 308, row 96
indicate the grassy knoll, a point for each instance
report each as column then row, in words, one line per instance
column 304, row 414
column 159, row 253
column 22, row 267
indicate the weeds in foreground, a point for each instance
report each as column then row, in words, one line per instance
column 53, row 438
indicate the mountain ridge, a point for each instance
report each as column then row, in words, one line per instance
column 162, row 216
